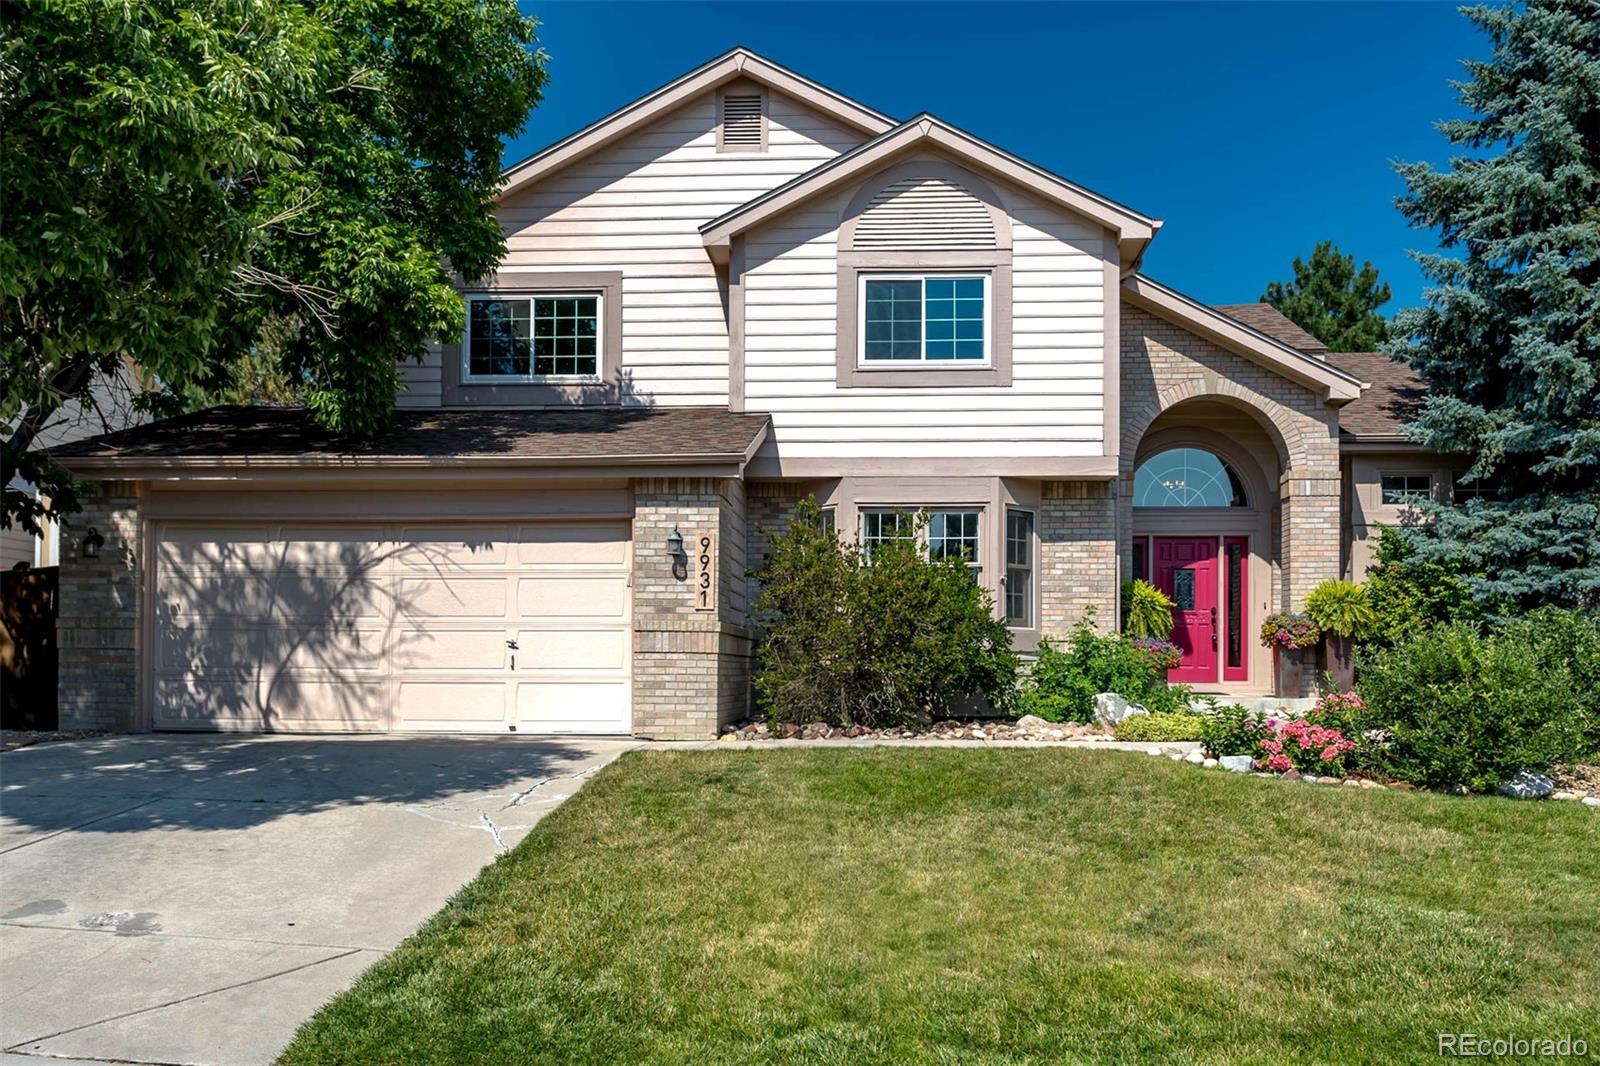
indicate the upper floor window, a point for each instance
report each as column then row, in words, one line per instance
column 535, row 337
column 1404, row 490
column 924, row 318
column 1187, row 477
column 1483, row 490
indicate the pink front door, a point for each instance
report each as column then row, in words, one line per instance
column 1186, row 570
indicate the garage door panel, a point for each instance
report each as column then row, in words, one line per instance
column 360, row 626
column 463, row 597
column 456, row 549
column 209, row 650
column 573, row 706
column 599, row 598
column 436, row 648
column 571, row 544
column 451, row 706
column 572, row 649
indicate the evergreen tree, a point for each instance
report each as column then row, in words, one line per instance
column 1333, row 301
column 1510, row 336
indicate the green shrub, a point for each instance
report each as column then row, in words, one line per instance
column 1453, row 706
column 1407, row 596
column 1229, row 730
column 1161, row 727
column 1146, row 611
column 1341, row 608
column 1063, row 683
column 887, row 642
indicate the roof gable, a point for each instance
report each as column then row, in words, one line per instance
column 1336, row 385
column 739, row 63
column 1134, row 230
column 1264, row 318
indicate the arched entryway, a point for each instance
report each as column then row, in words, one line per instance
column 1204, row 515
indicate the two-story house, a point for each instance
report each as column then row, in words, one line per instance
column 735, row 292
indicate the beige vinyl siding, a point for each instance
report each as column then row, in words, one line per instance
column 637, row 207
column 1054, row 408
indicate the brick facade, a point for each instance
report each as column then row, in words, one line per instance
column 1164, row 365
column 691, row 668
column 1078, row 568
column 97, row 625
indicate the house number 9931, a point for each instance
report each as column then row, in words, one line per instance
column 705, row 573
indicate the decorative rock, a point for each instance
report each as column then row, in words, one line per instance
column 1110, row 708
column 1528, row 785
column 1401, row 786
column 1209, row 764
column 788, row 731
column 1367, row 782
column 1238, row 764
column 1056, row 734
column 1295, row 775
column 1591, row 801
column 1194, row 758
column 1350, row 782
column 1176, row 756
column 1032, row 723
column 1152, row 751
column 728, row 738
column 1565, row 795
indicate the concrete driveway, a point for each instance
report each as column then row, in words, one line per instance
column 193, row 899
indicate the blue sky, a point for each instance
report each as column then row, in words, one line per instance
column 1252, row 129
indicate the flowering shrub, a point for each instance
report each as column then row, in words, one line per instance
column 1339, row 710
column 1162, row 654
column 1289, row 630
column 1303, row 745
column 1229, row 730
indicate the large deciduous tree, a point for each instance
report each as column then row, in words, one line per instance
column 1333, row 301
column 1510, row 336
column 288, row 184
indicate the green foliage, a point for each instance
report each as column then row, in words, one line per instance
column 1062, row 684
column 1333, row 301
column 1452, row 705
column 888, row 642
column 1408, row 594
column 192, row 184
column 1161, row 727
column 1510, row 337
column 1341, row 608
column 1146, row 611
column 1229, row 730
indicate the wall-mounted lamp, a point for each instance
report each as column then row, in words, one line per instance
column 92, row 541
column 680, row 558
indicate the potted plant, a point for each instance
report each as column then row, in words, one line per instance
column 1290, row 635
column 1146, row 611
column 1343, row 613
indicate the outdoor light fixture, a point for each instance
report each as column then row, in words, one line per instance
column 91, row 543
column 680, row 558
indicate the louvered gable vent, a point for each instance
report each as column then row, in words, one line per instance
column 925, row 214
column 741, row 122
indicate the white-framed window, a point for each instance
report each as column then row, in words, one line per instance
column 924, row 319
column 879, row 527
column 1019, row 567
column 954, row 535
column 1404, row 490
column 554, row 336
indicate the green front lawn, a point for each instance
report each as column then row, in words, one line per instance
column 965, row 906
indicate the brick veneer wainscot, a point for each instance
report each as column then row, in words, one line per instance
column 97, row 626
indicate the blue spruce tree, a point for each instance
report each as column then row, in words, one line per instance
column 1510, row 336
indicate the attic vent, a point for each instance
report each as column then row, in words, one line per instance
column 743, row 123
column 925, row 214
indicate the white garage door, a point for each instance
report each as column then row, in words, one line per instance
column 443, row 627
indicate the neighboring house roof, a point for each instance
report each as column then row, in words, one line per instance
column 286, row 436
column 732, row 65
column 1264, row 318
column 1390, row 401
column 1134, row 230
column 1336, row 384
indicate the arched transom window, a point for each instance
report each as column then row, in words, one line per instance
column 1186, row 477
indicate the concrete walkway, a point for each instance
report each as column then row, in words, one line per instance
column 193, row 899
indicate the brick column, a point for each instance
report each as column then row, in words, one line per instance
column 1309, row 531
column 691, row 668
column 97, row 623
column 1078, row 566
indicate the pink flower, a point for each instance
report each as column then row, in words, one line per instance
column 1280, row 763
